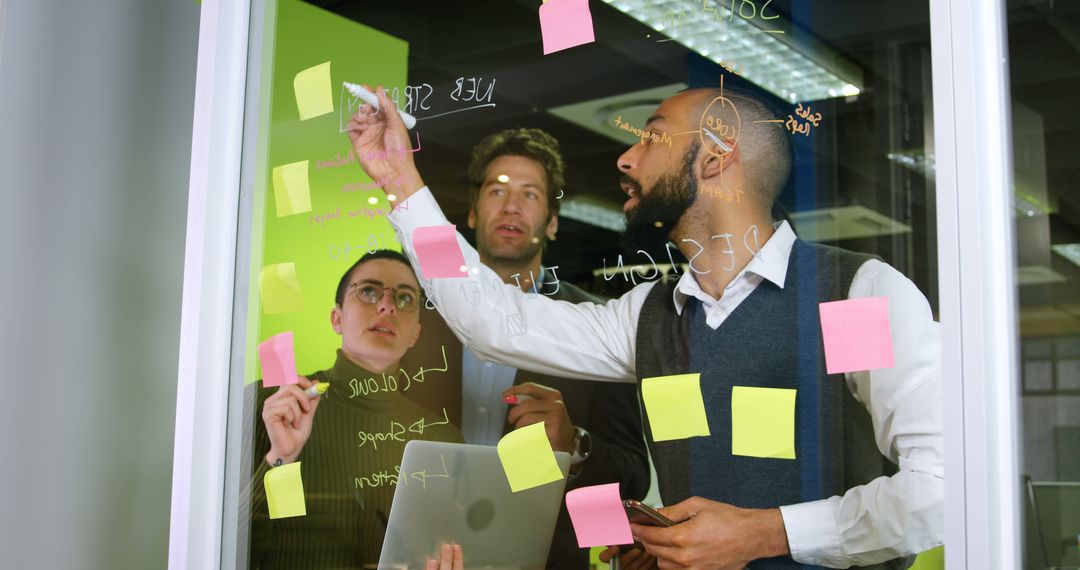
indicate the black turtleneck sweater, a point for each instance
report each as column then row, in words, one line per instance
column 349, row 470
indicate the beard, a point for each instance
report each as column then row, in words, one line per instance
column 670, row 197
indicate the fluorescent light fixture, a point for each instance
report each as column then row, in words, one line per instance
column 1037, row 275
column 848, row 222
column 1070, row 251
column 1024, row 203
column 794, row 69
column 1061, row 319
column 599, row 215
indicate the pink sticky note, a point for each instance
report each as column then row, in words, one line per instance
column 565, row 24
column 598, row 516
column 438, row 250
column 278, row 360
column 856, row 334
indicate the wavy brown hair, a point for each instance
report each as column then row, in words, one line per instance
column 534, row 144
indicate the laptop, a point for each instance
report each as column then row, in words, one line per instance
column 458, row 493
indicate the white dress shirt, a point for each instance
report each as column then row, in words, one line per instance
column 888, row 517
column 483, row 411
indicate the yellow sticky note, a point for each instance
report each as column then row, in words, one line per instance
column 763, row 422
column 674, row 406
column 314, row 96
column 285, row 491
column 292, row 194
column 527, row 458
column 279, row 289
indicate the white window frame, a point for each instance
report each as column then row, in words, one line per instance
column 195, row 528
column 977, row 283
column 976, row 263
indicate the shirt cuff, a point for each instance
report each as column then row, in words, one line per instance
column 417, row 211
column 812, row 534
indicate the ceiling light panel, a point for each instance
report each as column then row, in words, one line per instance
column 1070, row 251
column 846, row 222
column 599, row 215
column 757, row 49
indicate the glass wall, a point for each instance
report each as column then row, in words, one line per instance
column 842, row 88
column 1044, row 53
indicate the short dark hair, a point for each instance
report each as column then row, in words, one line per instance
column 343, row 285
column 764, row 144
column 534, row 144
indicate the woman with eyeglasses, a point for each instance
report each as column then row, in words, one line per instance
column 349, row 441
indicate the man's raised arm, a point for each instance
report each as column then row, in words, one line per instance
column 498, row 321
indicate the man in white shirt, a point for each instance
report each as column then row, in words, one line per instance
column 821, row 509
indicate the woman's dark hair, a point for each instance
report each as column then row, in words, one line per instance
column 343, row 285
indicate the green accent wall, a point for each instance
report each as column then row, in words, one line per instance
column 342, row 224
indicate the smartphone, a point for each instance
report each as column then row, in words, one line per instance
column 640, row 513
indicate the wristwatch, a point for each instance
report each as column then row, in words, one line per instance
column 582, row 446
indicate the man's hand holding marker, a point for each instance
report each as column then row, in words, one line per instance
column 532, row 403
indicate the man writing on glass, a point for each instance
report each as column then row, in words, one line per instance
column 745, row 316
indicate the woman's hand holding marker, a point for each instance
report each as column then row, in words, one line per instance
column 288, row 416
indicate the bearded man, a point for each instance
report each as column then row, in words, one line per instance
column 862, row 484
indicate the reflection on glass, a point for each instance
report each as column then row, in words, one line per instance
column 1043, row 57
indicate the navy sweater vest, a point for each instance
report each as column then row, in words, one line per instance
column 772, row 340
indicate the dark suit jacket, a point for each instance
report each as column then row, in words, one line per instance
column 609, row 411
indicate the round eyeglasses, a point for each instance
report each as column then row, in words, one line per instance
column 371, row 292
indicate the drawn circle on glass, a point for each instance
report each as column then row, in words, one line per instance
column 716, row 125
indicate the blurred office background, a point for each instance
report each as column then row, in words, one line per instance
column 1044, row 54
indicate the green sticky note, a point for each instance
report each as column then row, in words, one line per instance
column 314, row 96
column 285, row 491
column 279, row 289
column 675, row 407
column 292, row 194
column 763, row 422
column 527, row 458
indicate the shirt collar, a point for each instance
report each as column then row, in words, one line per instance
column 771, row 263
